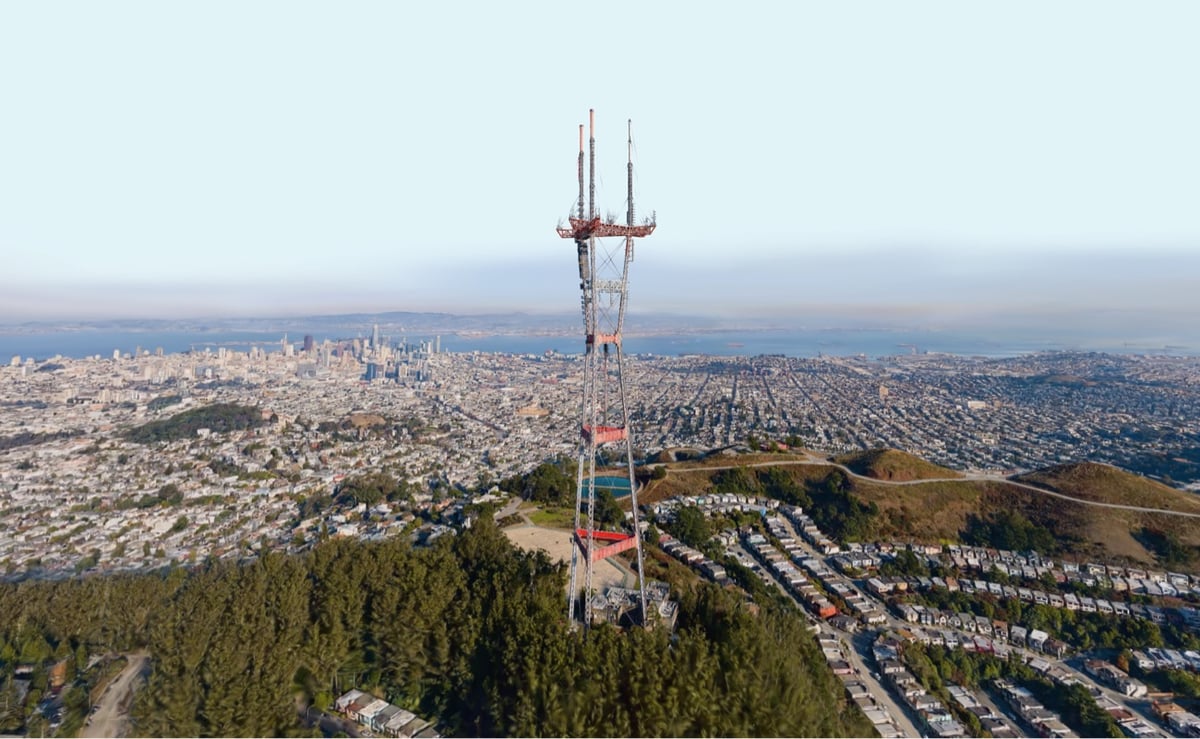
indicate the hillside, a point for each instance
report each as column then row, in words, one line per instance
column 893, row 465
column 994, row 513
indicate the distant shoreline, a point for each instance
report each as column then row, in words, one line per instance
column 80, row 342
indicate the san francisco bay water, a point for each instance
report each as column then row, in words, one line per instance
column 793, row 343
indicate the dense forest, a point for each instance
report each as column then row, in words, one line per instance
column 470, row 632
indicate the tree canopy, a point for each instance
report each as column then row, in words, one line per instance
column 469, row 631
column 219, row 418
column 551, row 483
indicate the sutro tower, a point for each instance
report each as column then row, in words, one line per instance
column 605, row 250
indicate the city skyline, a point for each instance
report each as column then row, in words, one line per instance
column 933, row 163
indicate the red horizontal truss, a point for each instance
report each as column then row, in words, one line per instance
column 619, row 543
column 582, row 228
column 604, row 338
column 603, row 535
column 604, row 434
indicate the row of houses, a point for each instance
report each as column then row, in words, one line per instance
column 1185, row 617
column 1042, row 720
column 1024, row 565
column 992, row 630
column 693, row 558
column 1115, row 678
column 802, row 587
column 381, row 717
column 713, row 504
column 951, row 639
column 1070, row 601
column 994, row 723
column 1116, row 577
column 831, row 648
column 808, row 529
column 787, row 573
column 877, row 713
column 1179, row 721
column 1131, row 724
column 1158, row 658
column 856, row 603
column 935, row 717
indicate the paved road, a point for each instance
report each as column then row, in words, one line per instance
column 510, row 508
column 110, row 717
column 977, row 477
column 859, row 652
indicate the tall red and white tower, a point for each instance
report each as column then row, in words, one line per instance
column 604, row 248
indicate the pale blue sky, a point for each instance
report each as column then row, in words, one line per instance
column 218, row 158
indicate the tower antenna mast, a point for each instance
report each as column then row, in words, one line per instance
column 604, row 249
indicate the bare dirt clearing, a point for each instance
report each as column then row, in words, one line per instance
column 557, row 544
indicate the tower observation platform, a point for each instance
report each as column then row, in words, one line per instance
column 604, row 249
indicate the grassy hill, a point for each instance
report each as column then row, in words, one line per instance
column 1107, row 484
column 893, row 465
column 960, row 510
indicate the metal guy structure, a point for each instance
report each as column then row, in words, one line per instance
column 605, row 250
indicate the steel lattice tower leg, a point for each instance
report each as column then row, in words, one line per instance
column 604, row 415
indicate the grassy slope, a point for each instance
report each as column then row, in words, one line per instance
column 891, row 464
column 1101, row 482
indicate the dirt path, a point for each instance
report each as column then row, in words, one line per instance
column 110, row 716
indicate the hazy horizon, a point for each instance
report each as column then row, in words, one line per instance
column 1122, row 295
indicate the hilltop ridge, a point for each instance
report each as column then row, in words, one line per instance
column 893, row 465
